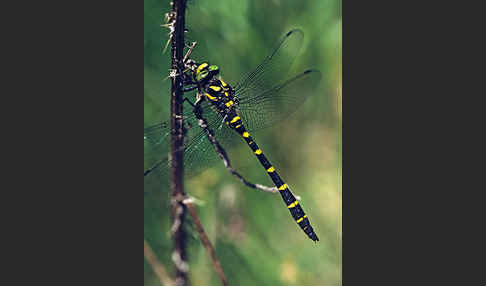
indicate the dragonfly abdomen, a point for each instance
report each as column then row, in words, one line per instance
column 292, row 204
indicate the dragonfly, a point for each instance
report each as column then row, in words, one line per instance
column 223, row 113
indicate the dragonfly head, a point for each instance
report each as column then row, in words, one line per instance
column 205, row 71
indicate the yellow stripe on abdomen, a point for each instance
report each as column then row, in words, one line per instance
column 211, row 97
column 215, row 88
column 235, row 119
column 293, row 205
column 301, row 219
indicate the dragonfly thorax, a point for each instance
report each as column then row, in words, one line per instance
column 220, row 95
column 214, row 89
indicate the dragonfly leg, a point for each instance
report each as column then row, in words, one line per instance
column 224, row 119
column 188, row 54
column 224, row 156
column 189, row 101
column 191, row 88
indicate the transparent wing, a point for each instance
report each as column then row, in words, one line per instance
column 198, row 151
column 273, row 105
column 157, row 142
column 274, row 67
column 265, row 96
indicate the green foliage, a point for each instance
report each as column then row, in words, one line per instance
column 255, row 238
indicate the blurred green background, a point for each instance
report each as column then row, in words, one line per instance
column 255, row 238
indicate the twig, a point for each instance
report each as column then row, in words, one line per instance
column 189, row 52
column 157, row 267
column 202, row 122
column 177, row 140
column 205, row 241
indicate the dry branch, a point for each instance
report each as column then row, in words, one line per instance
column 157, row 267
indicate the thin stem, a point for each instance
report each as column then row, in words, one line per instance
column 202, row 122
column 177, row 140
column 157, row 267
column 205, row 241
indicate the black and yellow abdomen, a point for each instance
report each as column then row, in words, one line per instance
column 235, row 122
column 222, row 97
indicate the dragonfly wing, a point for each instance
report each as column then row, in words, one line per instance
column 269, row 107
column 157, row 137
column 274, row 67
column 157, row 141
column 198, row 151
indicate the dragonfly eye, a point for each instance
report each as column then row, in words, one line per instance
column 213, row 68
